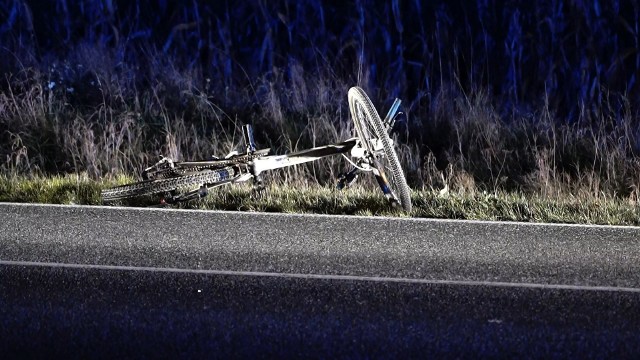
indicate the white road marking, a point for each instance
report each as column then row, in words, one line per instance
column 335, row 216
column 324, row 276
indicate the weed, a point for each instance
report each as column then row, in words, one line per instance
column 535, row 98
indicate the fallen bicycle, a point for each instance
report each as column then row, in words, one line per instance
column 371, row 150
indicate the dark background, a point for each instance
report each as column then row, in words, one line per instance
column 512, row 93
column 574, row 53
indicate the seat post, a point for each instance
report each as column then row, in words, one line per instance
column 247, row 132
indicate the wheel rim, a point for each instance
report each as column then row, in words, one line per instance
column 366, row 128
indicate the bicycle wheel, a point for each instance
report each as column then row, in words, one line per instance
column 369, row 127
column 149, row 187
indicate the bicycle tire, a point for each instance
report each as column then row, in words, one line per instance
column 366, row 118
column 149, row 187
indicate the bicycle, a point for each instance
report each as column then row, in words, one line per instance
column 371, row 150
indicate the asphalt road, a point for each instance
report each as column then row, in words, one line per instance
column 115, row 282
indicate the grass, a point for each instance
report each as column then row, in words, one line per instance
column 316, row 199
column 542, row 126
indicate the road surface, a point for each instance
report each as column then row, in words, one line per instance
column 118, row 282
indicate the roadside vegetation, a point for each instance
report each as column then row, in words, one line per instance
column 359, row 200
column 529, row 113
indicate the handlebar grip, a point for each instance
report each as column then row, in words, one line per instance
column 389, row 119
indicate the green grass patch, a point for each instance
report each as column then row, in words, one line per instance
column 307, row 198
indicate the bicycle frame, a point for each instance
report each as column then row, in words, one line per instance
column 300, row 157
column 167, row 175
column 351, row 145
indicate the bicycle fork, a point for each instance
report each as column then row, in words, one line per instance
column 383, row 182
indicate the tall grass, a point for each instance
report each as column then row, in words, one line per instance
column 539, row 97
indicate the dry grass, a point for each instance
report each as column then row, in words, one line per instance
column 80, row 189
column 481, row 117
column 469, row 148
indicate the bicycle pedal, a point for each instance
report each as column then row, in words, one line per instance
column 259, row 191
column 341, row 184
column 161, row 204
column 346, row 180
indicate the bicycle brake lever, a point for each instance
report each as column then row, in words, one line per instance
column 393, row 120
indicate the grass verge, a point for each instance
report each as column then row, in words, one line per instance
column 506, row 206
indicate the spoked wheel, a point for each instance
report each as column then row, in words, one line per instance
column 149, row 187
column 374, row 135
